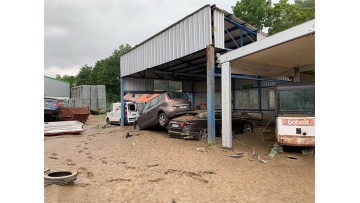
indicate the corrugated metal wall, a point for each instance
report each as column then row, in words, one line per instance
column 138, row 84
column 218, row 29
column 56, row 88
column 187, row 86
column 188, row 36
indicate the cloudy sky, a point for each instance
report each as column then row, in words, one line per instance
column 83, row 31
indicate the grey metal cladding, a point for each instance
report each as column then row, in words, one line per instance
column 189, row 35
column 219, row 29
column 56, row 88
column 138, row 84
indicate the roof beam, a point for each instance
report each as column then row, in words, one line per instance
column 167, row 68
column 180, row 74
column 228, row 19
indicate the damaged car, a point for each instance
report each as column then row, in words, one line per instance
column 161, row 109
column 193, row 125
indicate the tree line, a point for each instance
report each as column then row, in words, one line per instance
column 276, row 17
column 259, row 13
column 105, row 72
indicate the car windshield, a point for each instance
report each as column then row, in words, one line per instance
column 302, row 100
column 177, row 95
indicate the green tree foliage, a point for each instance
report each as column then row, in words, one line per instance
column 105, row 72
column 279, row 17
column 67, row 78
column 84, row 76
column 254, row 12
column 284, row 15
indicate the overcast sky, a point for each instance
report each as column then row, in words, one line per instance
column 84, row 31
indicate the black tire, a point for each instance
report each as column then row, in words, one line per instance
column 137, row 126
column 60, row 177
column 248, row 127
column 163, row 120
column 107, row 121
column 200, row 135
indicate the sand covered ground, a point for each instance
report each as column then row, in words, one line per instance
column 150, row 166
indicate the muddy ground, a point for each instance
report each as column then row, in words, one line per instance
column 150, row 166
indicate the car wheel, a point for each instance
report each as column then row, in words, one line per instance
column 248, row 128
column 163, row 120
column 137, row 126
column 107, row 121
column 200, row 135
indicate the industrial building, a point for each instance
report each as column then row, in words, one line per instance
column 57, row 89
column 221, row 61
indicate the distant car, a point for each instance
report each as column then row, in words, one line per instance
column 52, row 110
column 193, row 125
column 131, row 113
column 160, row 109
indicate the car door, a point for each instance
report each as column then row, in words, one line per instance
column 153, row 111
column 115, row 114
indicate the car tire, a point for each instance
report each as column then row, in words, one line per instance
column 137, row 126
column 163, row 120
column 60, row 177
column 200, row 135
column 248, row 128
column 107, row 121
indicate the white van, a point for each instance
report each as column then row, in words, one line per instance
column 131, row 113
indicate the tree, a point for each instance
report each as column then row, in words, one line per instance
column 84, row 76
column 254, row 12
column 68, row 78
column 284, row 15
column 106, row 72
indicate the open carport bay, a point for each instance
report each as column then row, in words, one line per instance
column 149, row 166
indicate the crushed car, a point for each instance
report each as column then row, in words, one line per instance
column 193, row 125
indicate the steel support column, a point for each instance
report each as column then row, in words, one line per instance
column 233, row 93
column 122, row 112
column 192, row 96
column 226, row 105
column 259, row 94
column 241, row 38
column 210, row 67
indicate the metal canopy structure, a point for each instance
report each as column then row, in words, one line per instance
column 284, row 54
column 185, row 51
column 179, row 51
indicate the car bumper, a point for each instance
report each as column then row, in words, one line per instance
column 51, row 112
column 301, row 141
